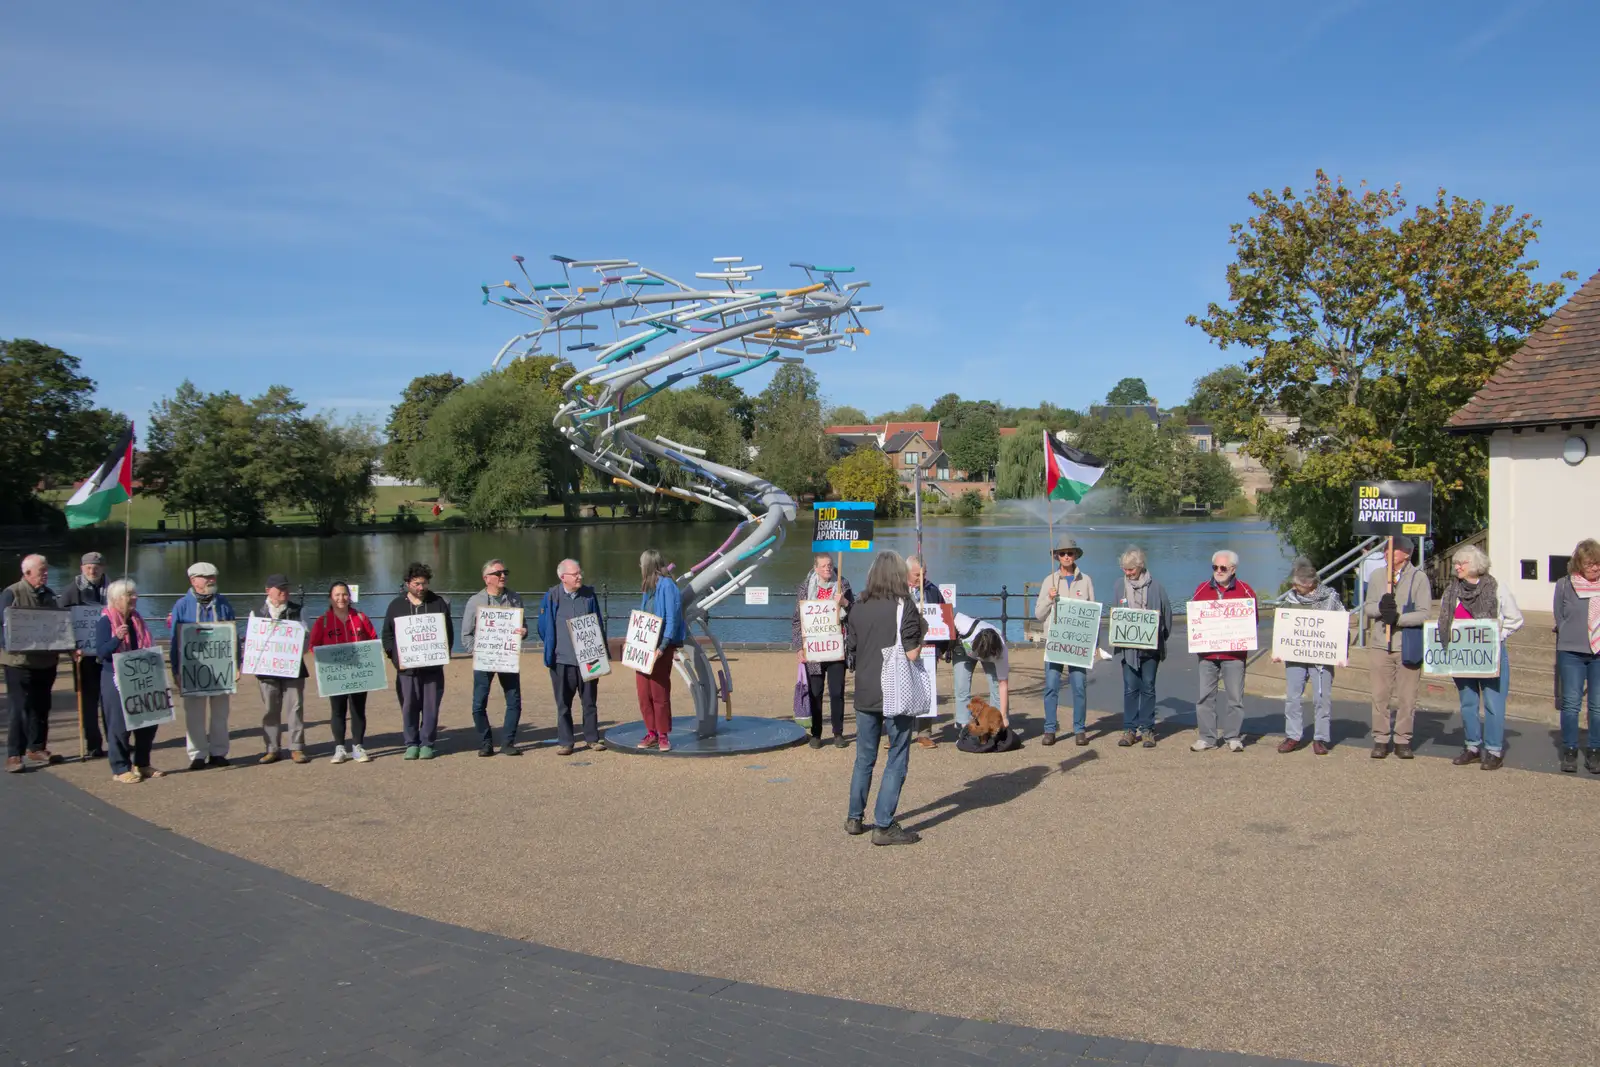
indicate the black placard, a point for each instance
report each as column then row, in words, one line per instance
column 1389, row 508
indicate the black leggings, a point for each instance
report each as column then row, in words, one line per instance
column 833, row 674
column 356, row 703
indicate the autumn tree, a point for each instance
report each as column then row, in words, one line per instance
column 867, row 474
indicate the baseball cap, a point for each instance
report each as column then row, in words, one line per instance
column 277, row 581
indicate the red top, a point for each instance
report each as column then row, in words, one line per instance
column 1209, row 590
column 328, row 630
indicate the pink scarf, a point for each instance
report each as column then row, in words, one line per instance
column 137, row 633
column 1590, row 591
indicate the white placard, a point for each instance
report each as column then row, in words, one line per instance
column 948, row 591
column 1473, row 652
column 274, row 648
column 85, row 617
column 755, row 595
column 496, row 645
column 141, row 677
column 930, row 663
column 1135, row 628
column 589, row 646
column 820, row 633
column 1222, row 625
column 421, row 641
column 1300, row 635
column 39, row 630
column 355, row 591
column 938, row 617
column 642, row 645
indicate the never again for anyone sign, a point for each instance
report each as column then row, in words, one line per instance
column 1135, row 628
column 821, row 636
column 1388, row 508
column 1072, row 632
column 421, row 641
column 589, row 646
column 352, row 667
column 1303, row 636
column 207, row 663
column 496, row 645
column 141, row 678
column 642, row 645
column 274, row 648
column 842, row 526
column 1222, row 625
column 1474, row 650
column 39, row 630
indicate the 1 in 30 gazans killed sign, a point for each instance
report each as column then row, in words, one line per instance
column 421, row 641
column 1390, row 508
column 842, row 526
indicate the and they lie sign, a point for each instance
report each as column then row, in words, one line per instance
column 496, row 645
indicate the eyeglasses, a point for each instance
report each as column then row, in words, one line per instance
column 1221, row 568
column 495, row 574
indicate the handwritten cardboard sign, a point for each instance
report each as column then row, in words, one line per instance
column 642, row 645
column 589, row 645
column 274, row 648
column 39, row 630
column 141, row 677
column 421, row 641
column 1072, row 632
column 352, row 667
column 1474, row 650
column 1303, row 636
column 1222, row 625
column 821, row 634
column 85, row 617
column 1135, row 628
column 207, row 659
column 496, row 645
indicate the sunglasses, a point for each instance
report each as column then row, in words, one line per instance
column 1221, row 567
column 495, row 574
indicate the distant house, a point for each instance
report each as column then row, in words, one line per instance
column 908, row 450
column 914, row 446
column 1253, row 477
column 1201, row 437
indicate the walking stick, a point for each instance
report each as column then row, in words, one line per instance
column 77, row 685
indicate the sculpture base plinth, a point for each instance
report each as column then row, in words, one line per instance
column 740, row 735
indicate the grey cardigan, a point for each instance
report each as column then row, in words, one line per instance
column 1155, row 597
column 871, row 631
column 1572, row 619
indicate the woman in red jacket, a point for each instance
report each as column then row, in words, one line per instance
column 1217, row 730
column 340, row 625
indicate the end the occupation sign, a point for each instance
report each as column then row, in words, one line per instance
column 843, row 526
column 1389, row 508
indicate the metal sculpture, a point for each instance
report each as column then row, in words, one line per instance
column 680, row 323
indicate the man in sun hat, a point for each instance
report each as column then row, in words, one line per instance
column 1066, row 581
column 207, row 744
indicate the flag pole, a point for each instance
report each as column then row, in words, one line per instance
column 1049, row 509
column 127, row 534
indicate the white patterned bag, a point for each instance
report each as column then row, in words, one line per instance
column 907, row 688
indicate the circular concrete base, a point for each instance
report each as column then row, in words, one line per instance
column 739, row 735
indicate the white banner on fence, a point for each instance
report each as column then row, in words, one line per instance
column 421, row 641
column 1222, row 625
column 589, row 645
column 274, row 648
column 141, row 678
column 496, row 645
column 643, row 643
column 755, row 595
column 1303, row 636
column 1135, row 628
column 207, row 659
column 820, row 632
column 39, row 630
column 1473, row 652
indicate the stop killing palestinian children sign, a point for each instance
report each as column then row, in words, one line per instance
column 643, row 643
column 821, row 636
column 1222, row 625
column 1072, row 632
column 421, row 641
column 207, row 660
column 141, row 678
column 1473, row 652
column 1303, row 636
column 1390, row 508
column 842, row 526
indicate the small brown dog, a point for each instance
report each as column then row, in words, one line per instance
column 985, row 722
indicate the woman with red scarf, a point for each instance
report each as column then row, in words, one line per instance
column 121, row 628
column 342, row 624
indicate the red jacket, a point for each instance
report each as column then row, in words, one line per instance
column 1209, row 590
column 328, row 630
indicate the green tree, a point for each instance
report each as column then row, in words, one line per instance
column 1371, row 333
column 1145, row 461
column 50, row 431
column 867, row 474
column 845, row 415
column 974, row 444
column 1128, row 391
column 739, row 403
column 914, row 413
column 488, row 448
column 1221, row 400
column 792, row 450
column 1019, row 474
column 408, row 420
column 969, row 505
column 1206, row 476
column 943, row 408
column 699, row 419
column 336, row 463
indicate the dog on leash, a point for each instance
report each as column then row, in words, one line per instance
column 986, row 721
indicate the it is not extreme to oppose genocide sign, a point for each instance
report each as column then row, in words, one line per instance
column 208, row 659
column 1303, row 636
column 1072, row 633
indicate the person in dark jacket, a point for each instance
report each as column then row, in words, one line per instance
column 917, row 581
column 569, row 599
column 872, row 632
column 421, row 688
column 1577, row 624
column 122, row 629
column 494, row 594
column 30, row 676
column 88, row 589
column 822, row 584
column 281, row 697
column 1137, row 589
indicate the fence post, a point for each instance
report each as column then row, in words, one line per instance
column 605, row 599
column 1004, row 596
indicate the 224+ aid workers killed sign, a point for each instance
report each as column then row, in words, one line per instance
column 1390, row 508
column 820, row 632
column 842, row 526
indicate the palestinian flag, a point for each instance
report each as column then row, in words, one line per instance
column 106, row 487
column 1068, row 473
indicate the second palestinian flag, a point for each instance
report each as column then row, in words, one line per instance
column 1068, row 473
column 106, row 487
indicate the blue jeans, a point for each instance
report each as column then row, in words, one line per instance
column 1139, row 694
column 1080, row 696
column 1576, row 668
column 511, row 686
column 962, row 668
column 869, row 730
column 1295, row 676
column 1491, row 693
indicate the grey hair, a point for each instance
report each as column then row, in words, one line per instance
column 29, row 562
column 1303, row 570
column 491, row 564
column 1476, row 559
column 1229, row 556
column 561, row 568
column 887, row 580
column 1132, row 556
column 651, row 568
column 119, row 591
column 916, row 561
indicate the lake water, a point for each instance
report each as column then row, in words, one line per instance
column 979, row 556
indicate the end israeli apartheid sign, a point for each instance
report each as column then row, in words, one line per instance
column 1135, row 628
column 1072, row 633
column 1390, row 508
column 842, row 526
column 1303, row 636
column 207, row 661
column 351, row 667
column 1474, row 650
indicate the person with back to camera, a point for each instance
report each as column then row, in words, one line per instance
column 659, row 596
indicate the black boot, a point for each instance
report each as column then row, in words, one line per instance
column 1569, row 761
column 1591, row 761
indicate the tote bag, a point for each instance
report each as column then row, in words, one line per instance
column 907, row 689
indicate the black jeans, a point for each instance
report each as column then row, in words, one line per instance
column 125, row 749
column 567, row 683
column 833, row 675
column 355, row 704
column 28, row 693
column 89, row 688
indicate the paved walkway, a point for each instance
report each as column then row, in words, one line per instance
column 130, row 944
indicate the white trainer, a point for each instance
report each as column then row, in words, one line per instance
column 1201, row 745
column 1236, row 744
column 339, row 755
column 360, row 754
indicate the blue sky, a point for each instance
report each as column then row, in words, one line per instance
column 311, row 193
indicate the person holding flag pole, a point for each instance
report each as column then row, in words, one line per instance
column 1068, row 475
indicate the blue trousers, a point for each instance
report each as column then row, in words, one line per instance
column 870, row 726
column 1578, row 669
column 1139, row 693
column 1079, row 679
column 1490, row 733
column 511, row 686
column 962, row 668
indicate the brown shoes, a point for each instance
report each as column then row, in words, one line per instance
column 268, row 757
column 14, row 765
column 926, row 742
column 43, row 757
column 1080, row 739
column 1466, row 756
column 1288, row 744
column 566, row 750
column 1320, row 748
column 1403, row 751
column 1048, row 739
column 1380, row 750
column 1127, row 739
column 299, row 756
column 1491, row 762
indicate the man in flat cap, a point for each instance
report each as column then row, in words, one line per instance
column 282, row 698
column 1395, row 653
column 207, row 745
column 88, row 589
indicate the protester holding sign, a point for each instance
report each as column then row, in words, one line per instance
column 343, row 624
column 1307, row 591
column 1228, row 667
column 421, row 687
column 1066, row 581
column 30, row 676
column 1137, row 590
column 88, row 590
column 1395, row 657
column 654, row 689
column 494, row 594
column 566, row 602
column 1474, row 594
column 1577, row 616
column 281, row 697
column 823, row 586
column 122, row 629
column 202, row 603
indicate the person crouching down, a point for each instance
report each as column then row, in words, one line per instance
column 1307, row 591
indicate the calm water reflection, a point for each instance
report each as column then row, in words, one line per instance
column 979, row 557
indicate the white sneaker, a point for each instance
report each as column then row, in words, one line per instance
column 339, row 755
column 1236, row 744
column 1201, row 745
column 360, row 754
